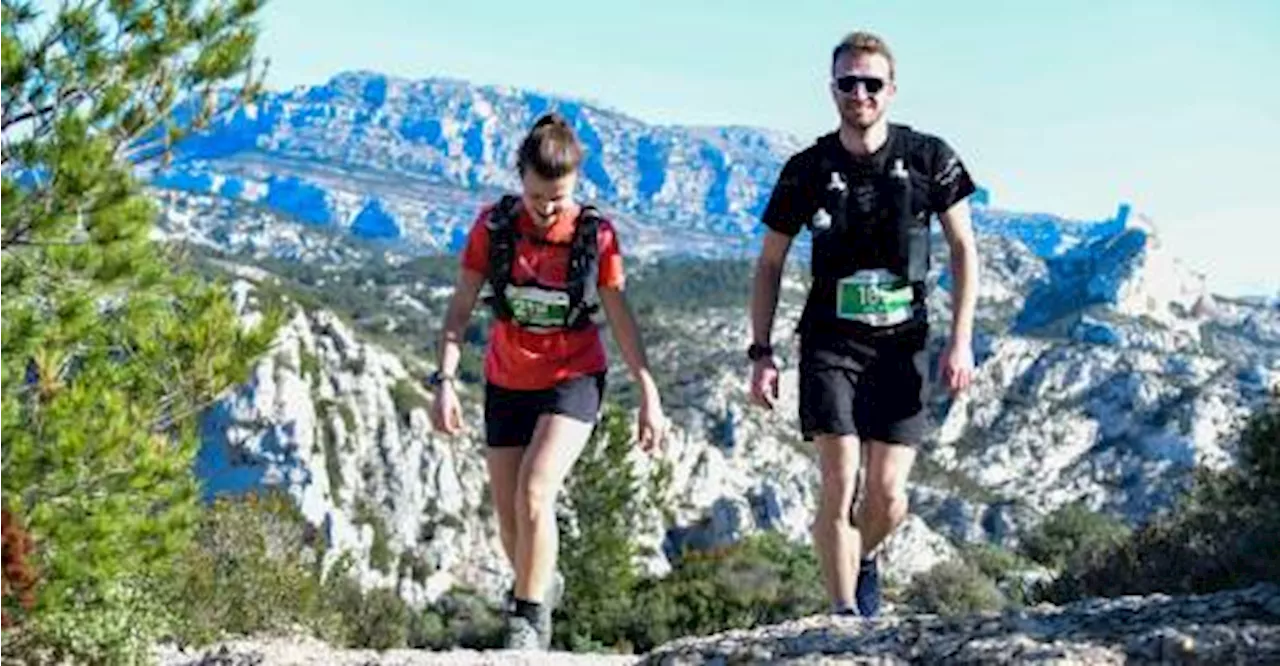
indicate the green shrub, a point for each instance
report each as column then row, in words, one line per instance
column 111, row 344
column 118, row 626
column 252, row 568
column 953, row 587
column 1222, row 535
column 380, row 622
column 1072, row 531
column 460, row 619
column 762, row 579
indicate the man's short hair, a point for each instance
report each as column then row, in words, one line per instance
column 863, row 43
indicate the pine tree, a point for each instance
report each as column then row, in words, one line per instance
column 111, row 347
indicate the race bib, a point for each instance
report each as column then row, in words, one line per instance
column 541, row 308
column 874, row 297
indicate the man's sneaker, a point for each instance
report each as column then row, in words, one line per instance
column 867, row 594
column 844, row 611
column 521, row 634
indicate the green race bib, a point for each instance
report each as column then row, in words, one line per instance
column 874, row 297
column 539, row 308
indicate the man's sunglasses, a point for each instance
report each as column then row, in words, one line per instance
column 847, row 84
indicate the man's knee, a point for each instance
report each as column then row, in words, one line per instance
column 838, row 459
column 887, row 502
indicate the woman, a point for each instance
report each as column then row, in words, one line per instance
column 550, row 261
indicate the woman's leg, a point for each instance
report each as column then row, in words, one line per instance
column 558, row 440
column 504, row 473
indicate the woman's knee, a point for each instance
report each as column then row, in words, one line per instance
column 534, row 498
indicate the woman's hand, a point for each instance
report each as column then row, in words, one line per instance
column 652, row 425
column 446, row 411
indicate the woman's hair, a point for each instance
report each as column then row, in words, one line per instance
column 551, row 148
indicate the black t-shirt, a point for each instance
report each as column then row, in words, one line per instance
column 811, row 178
column 799, row 191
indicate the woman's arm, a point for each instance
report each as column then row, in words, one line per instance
column 625, row 331
column 627, row 334
column 461, row 303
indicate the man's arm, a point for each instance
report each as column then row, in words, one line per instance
column 765, row 287
column 958, row 228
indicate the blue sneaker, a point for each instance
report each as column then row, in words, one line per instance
column 867, row 594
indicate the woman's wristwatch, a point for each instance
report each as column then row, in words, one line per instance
column 437, row 378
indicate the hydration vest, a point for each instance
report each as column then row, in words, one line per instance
column 580, row 284
column 891, row 232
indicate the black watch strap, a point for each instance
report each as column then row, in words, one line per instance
column 436, row 378
column 758, row 351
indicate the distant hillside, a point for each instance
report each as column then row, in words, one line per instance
column 410, row 162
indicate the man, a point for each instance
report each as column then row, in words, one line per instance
column 867, row 192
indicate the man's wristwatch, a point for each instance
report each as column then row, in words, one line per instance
column 758, row 351
column 436, row 379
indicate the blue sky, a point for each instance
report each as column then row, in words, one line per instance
column 1067, row 107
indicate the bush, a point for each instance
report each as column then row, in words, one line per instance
column 763, row 579
column 1221, row 536
column 380, row 621
column 252, row 568
column 118, row 625
column 608, row 605
column 462, row 619
column 954, row 587
column 1073, row 531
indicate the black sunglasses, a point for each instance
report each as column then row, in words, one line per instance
column 847, row 84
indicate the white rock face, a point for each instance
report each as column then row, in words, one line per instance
column 341, row 425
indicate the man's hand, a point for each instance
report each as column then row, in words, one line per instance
column 957, row 367
column 764, row 382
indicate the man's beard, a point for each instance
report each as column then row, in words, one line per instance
column 860, row 121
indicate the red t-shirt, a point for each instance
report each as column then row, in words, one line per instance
column 517, row 358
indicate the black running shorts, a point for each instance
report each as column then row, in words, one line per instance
column 510, row 416
column 876, row 390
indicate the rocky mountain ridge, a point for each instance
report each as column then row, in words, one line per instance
column 409, row 162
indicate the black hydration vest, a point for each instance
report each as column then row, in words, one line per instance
column 583, row 264
column 892, row 232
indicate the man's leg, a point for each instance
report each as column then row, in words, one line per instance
column 836, row 541
column 884, row 505
column 895, row 420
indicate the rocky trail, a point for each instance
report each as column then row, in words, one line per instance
column 1236, row 627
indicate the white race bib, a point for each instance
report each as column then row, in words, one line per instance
column 874, row 297
column 536, row 307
